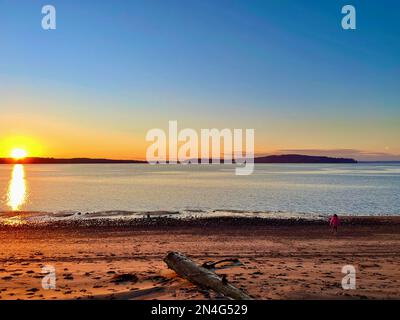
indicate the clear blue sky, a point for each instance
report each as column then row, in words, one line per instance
column 281, row 67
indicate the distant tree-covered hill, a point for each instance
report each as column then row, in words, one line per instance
column 298, row 158
column 65, row 161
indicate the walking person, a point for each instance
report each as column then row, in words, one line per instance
column 334, row 223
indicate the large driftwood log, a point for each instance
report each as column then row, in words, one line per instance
column 202, row 277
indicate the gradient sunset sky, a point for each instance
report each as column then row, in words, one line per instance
column 112, row 70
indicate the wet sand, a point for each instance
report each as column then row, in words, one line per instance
column 280, row 259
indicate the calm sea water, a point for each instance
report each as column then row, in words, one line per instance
column 372, row 189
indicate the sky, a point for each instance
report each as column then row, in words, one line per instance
column 112, row 70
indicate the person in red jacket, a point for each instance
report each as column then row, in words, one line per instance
column 334, row 222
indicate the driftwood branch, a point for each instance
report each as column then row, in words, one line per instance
column 202, row 277
column 213, row 265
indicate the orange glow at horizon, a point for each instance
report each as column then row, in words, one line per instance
column 19, row 147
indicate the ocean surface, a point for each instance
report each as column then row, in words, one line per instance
column 279, row 189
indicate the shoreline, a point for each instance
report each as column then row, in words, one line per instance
column 162, row 222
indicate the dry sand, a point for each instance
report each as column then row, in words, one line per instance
column 280, row 259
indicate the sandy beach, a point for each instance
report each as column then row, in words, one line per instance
column 279, row 259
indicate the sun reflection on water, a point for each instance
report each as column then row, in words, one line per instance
column 17, row 188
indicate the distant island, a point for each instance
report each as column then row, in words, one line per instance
column 285, row 158
column 298, row 158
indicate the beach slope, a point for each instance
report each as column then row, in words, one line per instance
column 279, row 259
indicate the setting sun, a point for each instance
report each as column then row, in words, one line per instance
column 20, row 146
column 18, row 153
